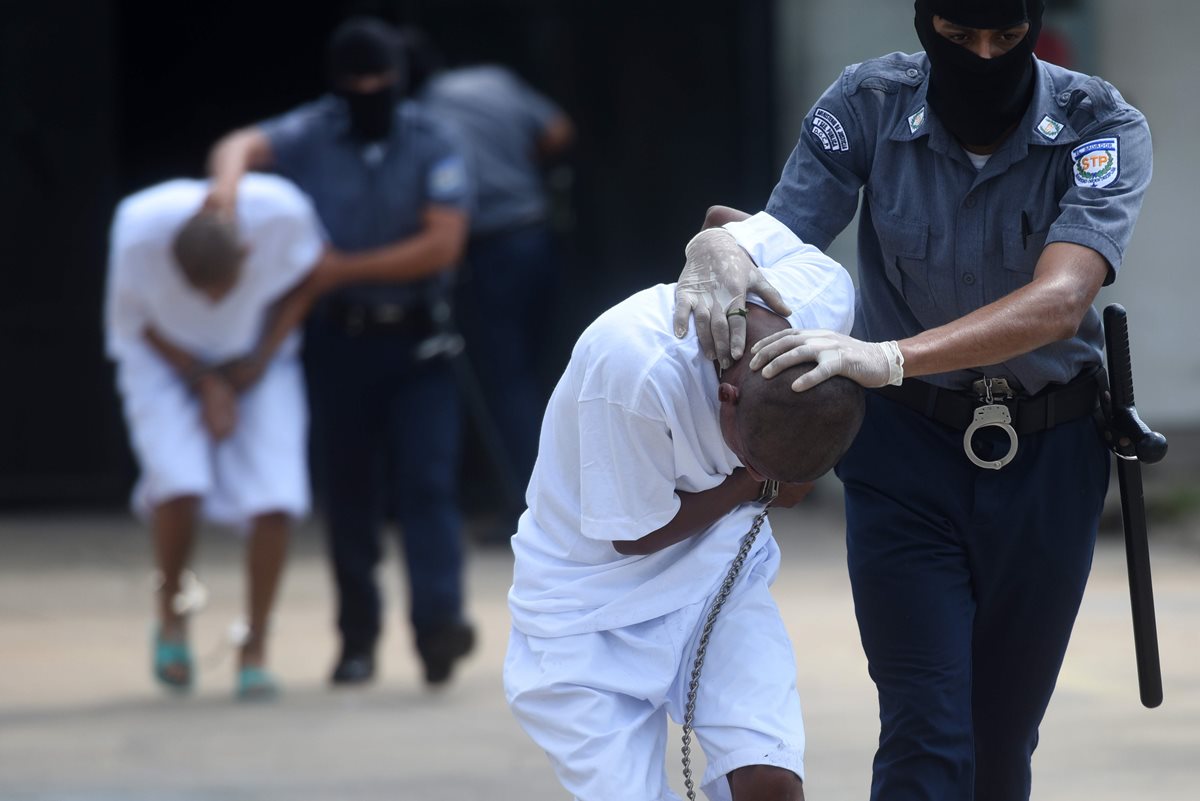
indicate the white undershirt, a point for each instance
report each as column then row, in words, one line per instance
column 977, row 159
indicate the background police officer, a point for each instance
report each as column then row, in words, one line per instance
column 998, row 195
column 391, row 188
column 511, row 133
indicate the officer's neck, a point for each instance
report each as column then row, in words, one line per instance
column 987, row 150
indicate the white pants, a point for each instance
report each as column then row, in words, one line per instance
column 596, row 703
column 262, row 467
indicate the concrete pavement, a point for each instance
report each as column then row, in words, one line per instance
column 80, row 719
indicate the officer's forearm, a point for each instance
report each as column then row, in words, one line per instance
column 697, row 511
column 435, row 249
column 233, row 156
column 1047, row 310
column 285, row 316
column 555, row 138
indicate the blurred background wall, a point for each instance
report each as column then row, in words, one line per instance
column 679, row 105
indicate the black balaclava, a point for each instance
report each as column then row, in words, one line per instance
column 978, row 99
column 366, row 46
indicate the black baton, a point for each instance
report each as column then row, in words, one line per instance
column 1133, row 443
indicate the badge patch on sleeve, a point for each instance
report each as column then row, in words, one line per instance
column 1095, row 163
column 447, row 179
column 829, row 131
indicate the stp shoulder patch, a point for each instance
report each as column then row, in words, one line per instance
column 829, row 131
column 1096, row 163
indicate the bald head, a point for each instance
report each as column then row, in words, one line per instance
column 785, row 435
column 209, row 253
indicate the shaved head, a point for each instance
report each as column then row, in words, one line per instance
column 781, row 434
column 798, row 436
column 209, row 253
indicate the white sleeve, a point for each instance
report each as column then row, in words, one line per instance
column 767, row 240
column 286, row 224
column 819, row 290
column 306, row 241
column 627, row 472
column 125, row 312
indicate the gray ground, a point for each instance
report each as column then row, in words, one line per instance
column 81, row 721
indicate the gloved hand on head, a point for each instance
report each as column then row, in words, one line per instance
column 716, row 279
column 869, row 364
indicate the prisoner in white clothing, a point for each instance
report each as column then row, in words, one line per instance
column 261, row 466
column 633, row 420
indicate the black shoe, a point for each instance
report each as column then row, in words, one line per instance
column 354, row 667
column 441, row 647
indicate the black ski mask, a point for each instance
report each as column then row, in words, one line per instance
column 371, row 112
column 363, row 46
column 979, row 99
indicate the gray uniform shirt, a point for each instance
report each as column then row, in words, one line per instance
column 938, row 238
column 369, row 196
column 500, row 120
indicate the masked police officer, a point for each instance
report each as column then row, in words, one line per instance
column 999, row 195
column 391, row 189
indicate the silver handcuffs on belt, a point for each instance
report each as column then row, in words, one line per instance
column 992, row 414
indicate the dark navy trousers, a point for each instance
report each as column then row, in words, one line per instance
column 503, row 310
column 387, row 431
column 966, row 584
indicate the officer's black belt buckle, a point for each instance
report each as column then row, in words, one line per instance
column 991, row 414
column 378, row 318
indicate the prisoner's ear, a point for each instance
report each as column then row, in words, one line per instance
column 728, row 393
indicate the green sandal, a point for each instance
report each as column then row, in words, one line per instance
column 172, row 663
column 256, row 684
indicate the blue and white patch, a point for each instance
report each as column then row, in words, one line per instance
column 1095, row 164
column 448, row 179
column 829, row 131
column 916, row 120
column 1050, row 127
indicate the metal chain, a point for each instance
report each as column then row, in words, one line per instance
column 689, row 712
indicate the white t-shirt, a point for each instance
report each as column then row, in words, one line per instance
column 632, row 420
column 147, row 288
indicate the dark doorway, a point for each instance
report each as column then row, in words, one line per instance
column 672, row 101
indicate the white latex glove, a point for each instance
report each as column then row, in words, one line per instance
column 871, row 364
column 716, row 277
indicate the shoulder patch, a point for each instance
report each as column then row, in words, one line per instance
column 1096, row 164
column 828, row 130
column 448, row 178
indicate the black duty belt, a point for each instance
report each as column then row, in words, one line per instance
column 992, row 403
column 380, row 318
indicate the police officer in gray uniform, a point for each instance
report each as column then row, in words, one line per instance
column 390, row 185
column 998, row 195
